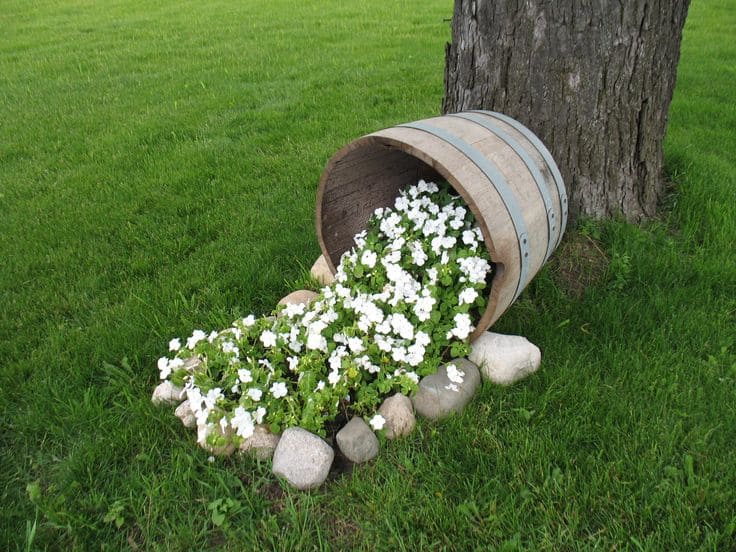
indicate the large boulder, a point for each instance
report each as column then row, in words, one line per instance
column 398, row 412
column 504, row 359
column 448, row 390
column 302, row 458
column 321, row 272
column 357, row 441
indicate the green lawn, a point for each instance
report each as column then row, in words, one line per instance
column 158, row 168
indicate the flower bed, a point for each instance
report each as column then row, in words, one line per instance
column 403, row 301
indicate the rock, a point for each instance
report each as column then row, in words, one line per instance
column 438, row 396
column 321, row 272
column 192, row 363
column 204, row 430
column 398, row 412
column 185, row 414
column 505, row 359
column 261, row 444
column 302, row 296
column 302, row 458
column 357, row 441
column 167, row 393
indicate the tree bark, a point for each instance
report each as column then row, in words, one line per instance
column 592, row 78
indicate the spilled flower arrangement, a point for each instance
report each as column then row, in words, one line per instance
column 403, row 301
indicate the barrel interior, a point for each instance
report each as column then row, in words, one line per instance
column 356, row 182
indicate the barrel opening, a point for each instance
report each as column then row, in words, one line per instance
column 357, row 183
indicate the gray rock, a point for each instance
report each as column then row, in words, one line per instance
column 302, row 296
column 261, row 444
column 302, row 458
column 185, row 414
column 321, row 272
column 438, row 396
column 357, row 441
column 504, row 359
column 398, row 412
column 167, row 393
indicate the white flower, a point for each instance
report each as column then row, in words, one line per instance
column 242, row 422
column 422, row 338
column 244, row 375
column 255, row 394
column 197, row 336
column 278, row 390
column 211, row 398
column 294, row 309
column 400, row 325
column 259, row 414
column 223, row 424
column 369, row 258
column 320, row 385
column 333, row 377
column 230, row 347
column 454, row 374
column 268, row 338
column 174, row 344
column 463, row 326
column 356, row 345
column 248, row 321
column 468, row 295
column 377, row 422
column 469, row 237
column 163, row 367
column 293, row 363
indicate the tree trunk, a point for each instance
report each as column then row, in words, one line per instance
column 592, row 78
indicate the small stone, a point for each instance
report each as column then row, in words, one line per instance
column 398, row 412
column 167, row 393
column 192, row 363
column 505, row 359
column 439, row 396
column 321, row 272
column 357, row 441
column 185, row 414
column 203, row 432
column 300, row 297
column 261, row 444
column 302, row 458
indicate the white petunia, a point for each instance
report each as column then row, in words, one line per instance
column 467, row 296
column 294, row 309
column 244, row 375
column 248, row 321
column 377, row 422
column 259, row 414
column 163, row 367
column 255, row 394
column 293, row 363
column 174, row 344
column 454, row 374
column 369, row 258
column 242, row 422
column 278, row 390
column 196, row 337
column 463, row 326
column 268, row 338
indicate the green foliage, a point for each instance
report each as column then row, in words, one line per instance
column 158, row 165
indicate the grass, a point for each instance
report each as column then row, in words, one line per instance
column 158, row 168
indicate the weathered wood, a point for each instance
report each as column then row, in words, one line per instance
column 593, row 80
column 369, row 173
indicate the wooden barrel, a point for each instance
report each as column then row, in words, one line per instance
column 503, row 171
